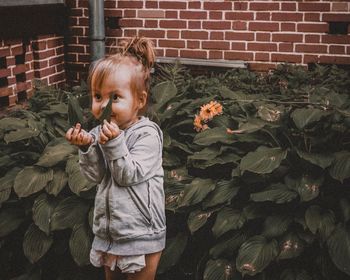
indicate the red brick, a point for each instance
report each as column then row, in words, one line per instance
column 239, row 36
column 193, row 54
column 5, row 72
column 193, row 15
column 172, row 24
column 215, row 15
column 216, row 45
column 310, row 59
column 275, row 57
column 151, row 14
column 289, row 7
column 262, row 57
column 239, row 16
column 262, row 47
column 114, row 32
column 194, row 35
column 340, row 7
column 75, row 49
column 313, row 6
column 287, row 37
column 240, row 6
column 195, row 5
column 152, row 4
column 130, row 32
column 312, row 17
column 56, row 78
column 348, row 50
column 172, row 5
column 129, row 13
column 287, row 16
column 239, row 25
column 83, row 22
column 216, row 35
column 76, row 12
column 84, row 58
column 115, row 13
column 316, row 27
column 216, row 24
column 194, row 24
column 77, row 31
column 217, row 5
column 17, row 50
column 171, row 14
column 39, row 45
column 130, row 22
column 287, row 26
column 215, row 55
column 311, row 48
column 336, row 39
column 152, row 33
column 172, row 53
column 44, row 54
column 130, row 4
column 238, row 46
column 4, row 52
column 285, row 47
column 263, row 16
column 171, row 43
column 6, row 91
column 231, row 55
column 192, row 44
column 59, row 50
column 334, row 59
column 174, row 34
column 159, row 52
column 110, row 4
column 56, row 60
column 312, row 38
column 336, row 17
column 263, row 26
column 83, row 3
column 263, row 37
column 337, row 49
column 263, row 6
column 44, row 72
column 151, row 23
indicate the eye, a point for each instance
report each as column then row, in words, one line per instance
column 97, row 96
column 115, row 97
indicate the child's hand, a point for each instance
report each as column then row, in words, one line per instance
column 79, row 137
column 109, row 130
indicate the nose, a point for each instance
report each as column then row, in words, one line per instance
column 104, row 104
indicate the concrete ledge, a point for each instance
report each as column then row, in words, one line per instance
column 204, row 62
column 14, row 3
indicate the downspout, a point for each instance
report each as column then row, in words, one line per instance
column 97, row 29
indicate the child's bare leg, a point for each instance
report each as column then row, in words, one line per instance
column 149, row 271
column 114, row 275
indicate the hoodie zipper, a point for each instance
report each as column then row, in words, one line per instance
column 108, row 221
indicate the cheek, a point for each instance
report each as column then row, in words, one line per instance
column 95, row 109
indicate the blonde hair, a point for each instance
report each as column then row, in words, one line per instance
column 138, row 52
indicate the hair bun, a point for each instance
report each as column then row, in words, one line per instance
column 141, row 48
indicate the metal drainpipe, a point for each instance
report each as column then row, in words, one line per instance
column 97, row 29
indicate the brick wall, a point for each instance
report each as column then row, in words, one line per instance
column 262, row 33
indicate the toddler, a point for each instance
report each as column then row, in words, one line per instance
column 123, row 157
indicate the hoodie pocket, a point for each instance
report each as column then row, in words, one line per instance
column 141, row 201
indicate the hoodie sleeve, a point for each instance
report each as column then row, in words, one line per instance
column 130, row 167
column 92, row 163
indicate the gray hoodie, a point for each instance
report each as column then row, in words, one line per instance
column 129, row 214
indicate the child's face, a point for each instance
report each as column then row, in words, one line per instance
column 125, row 104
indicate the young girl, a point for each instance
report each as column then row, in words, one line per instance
column 124, row 158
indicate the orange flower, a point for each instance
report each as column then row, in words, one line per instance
column 197, row 123
column 210, row 110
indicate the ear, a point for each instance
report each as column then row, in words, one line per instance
column 142, row 98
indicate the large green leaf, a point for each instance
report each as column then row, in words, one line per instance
column 278, row 193
column 21, row 134
column 339, row 248
column 291, row 246
column 36, row 243
column 59, row 181
column 228, row 219
column 31, row 180
column 304, row 117
column 162, row 93
column 340, row 169
column 173, row 250
column 196, row 191
column 197, row 219
column 76, row 181
column 228, row 247
column 320, row 220
column 322, row 160
column 55, row 152
column 70, row 211
column 80, row 244
column 263, row 160
column 75, row 112
column 276, row 225
column 10, row 219
column 307, row 185
column 213, row 135
column 344, row 204
column 256, row 254
column 221, row 269
column 9, row 123
column 43, row 208
column 208, row 153
column 251, row 125
column 223, row 193
column 6, row 184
